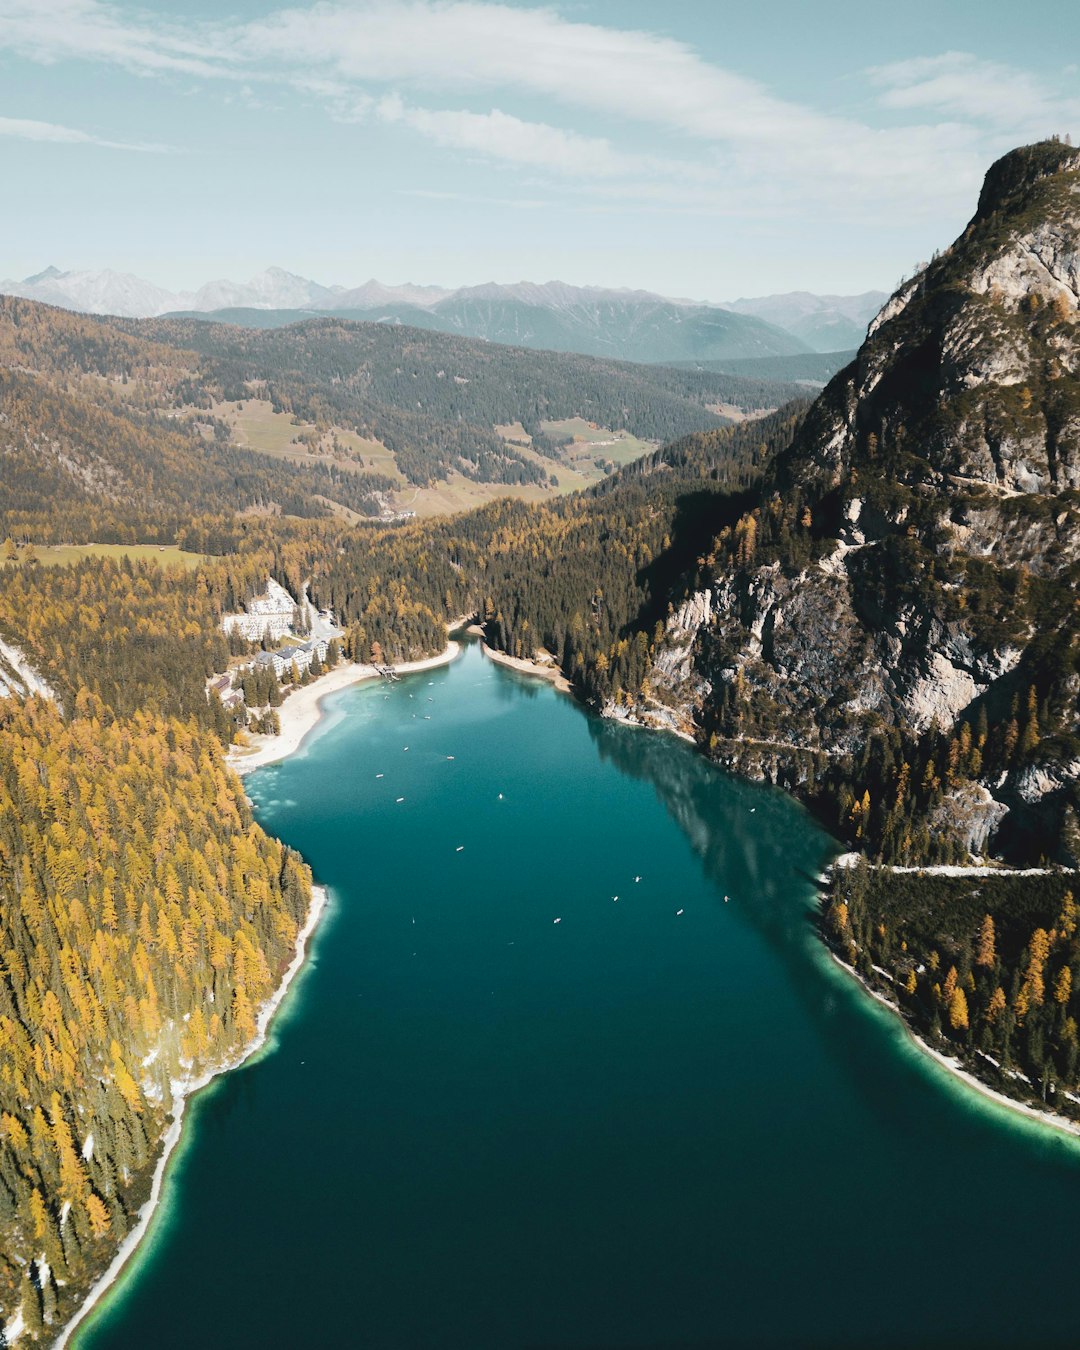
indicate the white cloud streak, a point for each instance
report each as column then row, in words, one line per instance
column 503, row 137
column 26, row 129
column 57, row 30
column 958, row 84
column 389, row 61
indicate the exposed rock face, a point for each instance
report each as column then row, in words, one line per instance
column 886, row 580
column 972, row 814
column 18, row 678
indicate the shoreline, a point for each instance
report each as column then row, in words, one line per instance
column 133, row 1238
column 302, row 710
column 552, row 674
column 954, row 1067
column 300, row 713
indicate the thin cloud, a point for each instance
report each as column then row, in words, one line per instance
column 516, row 203
column 727, row 137
column 960, row 84
column 56, row 30
column 25, row 129
column 509, row 139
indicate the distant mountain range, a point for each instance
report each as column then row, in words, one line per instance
column 620, row 324
column 826, row 323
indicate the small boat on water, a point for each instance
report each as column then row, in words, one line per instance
column 459, row 848
column 678, row 912
column 558, row 920
column 400, row 799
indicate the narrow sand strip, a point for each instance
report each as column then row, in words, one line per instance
column 1047, row 1118
column 183, row 1093
column 302, row 709
column 552, row 673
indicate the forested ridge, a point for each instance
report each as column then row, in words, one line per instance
column 434, row 399
column 122, row 411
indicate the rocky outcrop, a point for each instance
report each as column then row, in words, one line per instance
column 971, row 814
column 1038, row 781
column 18, row 678
column 886, row 579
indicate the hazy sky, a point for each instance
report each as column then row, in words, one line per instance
column 694, row 147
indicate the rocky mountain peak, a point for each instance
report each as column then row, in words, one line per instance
column 1011, row 180
column 914, row 558
column 968, row 372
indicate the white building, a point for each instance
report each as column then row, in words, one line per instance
column 299, row 654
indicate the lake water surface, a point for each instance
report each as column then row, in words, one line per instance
column 637, row 1127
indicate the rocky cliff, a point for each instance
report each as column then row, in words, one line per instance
column 905, row 591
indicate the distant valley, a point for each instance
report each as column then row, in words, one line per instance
column 327, row 415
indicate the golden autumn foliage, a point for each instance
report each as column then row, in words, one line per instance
column 144, row 918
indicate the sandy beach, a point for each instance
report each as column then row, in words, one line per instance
column 301, row 711
column 552, row 673
column 182, row 1094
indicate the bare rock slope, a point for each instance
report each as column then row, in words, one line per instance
column 913, row 564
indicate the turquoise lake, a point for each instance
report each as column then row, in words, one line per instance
column 476, row 1127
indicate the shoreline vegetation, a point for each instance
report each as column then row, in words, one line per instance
column 963, row 1055
column 187, row 1091
column 955, row 1067
column 300, row 713
column 551, row 673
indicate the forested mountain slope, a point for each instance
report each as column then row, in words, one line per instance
column 436, row 400
column 94, row 420
column 114, row 410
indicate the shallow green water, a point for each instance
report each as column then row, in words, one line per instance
column 481, row 1128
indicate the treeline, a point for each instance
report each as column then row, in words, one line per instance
column 144, row 920
column 986, row 966
column 135, row 637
